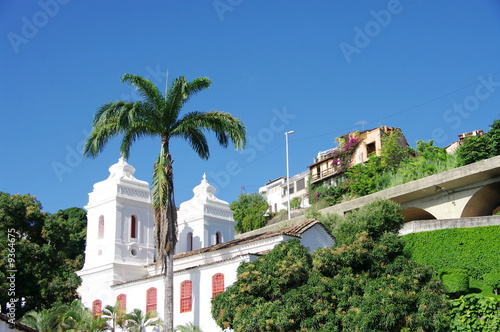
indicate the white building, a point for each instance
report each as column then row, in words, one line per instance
column 119, row 256
column 274, row 191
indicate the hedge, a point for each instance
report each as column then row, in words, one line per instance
column 476, row 250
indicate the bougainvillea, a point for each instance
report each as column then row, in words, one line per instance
column 342, row 155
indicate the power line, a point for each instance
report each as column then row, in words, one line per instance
column 402, row 111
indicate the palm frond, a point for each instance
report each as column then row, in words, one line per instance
column 196, row 86
column 106, row 126
column 226, row 127
column 146, row 89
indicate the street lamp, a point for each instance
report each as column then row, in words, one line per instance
column 288, row 173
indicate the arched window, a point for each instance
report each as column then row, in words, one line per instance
column 218, row 238
column 189, row 241
column 151, row 300
column 217, row 284
column 186, row 295
column 133, row 227
column 97, row 308
column 122, row 302
column 101, row 227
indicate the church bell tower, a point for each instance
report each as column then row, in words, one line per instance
column 120, row 238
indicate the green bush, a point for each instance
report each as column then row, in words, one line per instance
column 475, row 312
column 443, row 272
column 475, row 250
column 456, row 283
column 493, row 280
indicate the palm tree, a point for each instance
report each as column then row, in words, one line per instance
column 46, row 320
column 136, row 321
column 159, row 116
column 189, row 327
column 114, row 315
column 77, row 318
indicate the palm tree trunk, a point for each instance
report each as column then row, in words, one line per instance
column 166, row 233
column 169, row 292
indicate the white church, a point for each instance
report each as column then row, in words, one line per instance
column 119, row 255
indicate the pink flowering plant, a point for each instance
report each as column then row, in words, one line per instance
column 342, row 155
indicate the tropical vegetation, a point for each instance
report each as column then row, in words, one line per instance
column 160, row 116
column 248, row 212
column 75, row 317
column 48, row 247
column 397, row 165
column 364, row 283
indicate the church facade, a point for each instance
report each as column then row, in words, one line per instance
column 120, row 254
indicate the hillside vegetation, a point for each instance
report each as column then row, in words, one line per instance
column 397, row 165
column 475, row 250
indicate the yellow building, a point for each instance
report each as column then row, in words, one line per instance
column 328, row 167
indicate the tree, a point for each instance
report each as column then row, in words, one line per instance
column 476, row 148
column 392, row 152
column 73, row 317
column 295, row 203
column 189, row 327
column 492, row 280
column 248, row 212
column 137, row 321
column 78, row 318
column 364, row 284
column 159, row 116
column 114, row 315
column 44, row 249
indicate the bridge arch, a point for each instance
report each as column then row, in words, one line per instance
column 484, row 202
column 413, row 213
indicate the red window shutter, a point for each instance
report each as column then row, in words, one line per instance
column 186, row 295
column 217, row 284
column 122, row 302
column 133, row 227
column 151, row 300
column 97, row 308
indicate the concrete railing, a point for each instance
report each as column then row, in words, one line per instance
column 417, row 226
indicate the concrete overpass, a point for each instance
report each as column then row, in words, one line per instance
column 462, row 196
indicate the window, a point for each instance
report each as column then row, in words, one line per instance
column 151, row 300
column 301, row 184
column 370, row 148
column 122, row 302
column 101, row 227
column 189, row 241
column 186, row 295
column 122, row 306
column 133, row 227
column 218, row 238
column 97, row 308
column 217, row 284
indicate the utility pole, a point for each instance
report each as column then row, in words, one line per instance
column 288, row 173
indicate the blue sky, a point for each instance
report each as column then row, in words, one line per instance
column 321, row 68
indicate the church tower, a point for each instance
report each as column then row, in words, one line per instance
column 204, row 220
column 120, row 238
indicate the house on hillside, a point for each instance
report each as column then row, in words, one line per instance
column 120, row 253
column 328, row 166
column 275, row 191
column 461, row 138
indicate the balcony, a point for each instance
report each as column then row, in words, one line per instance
column 321, row 175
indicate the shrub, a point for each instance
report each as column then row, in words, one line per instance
column 456, row 283
column 475, row 250
column 475, row 312
column 493, row 280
